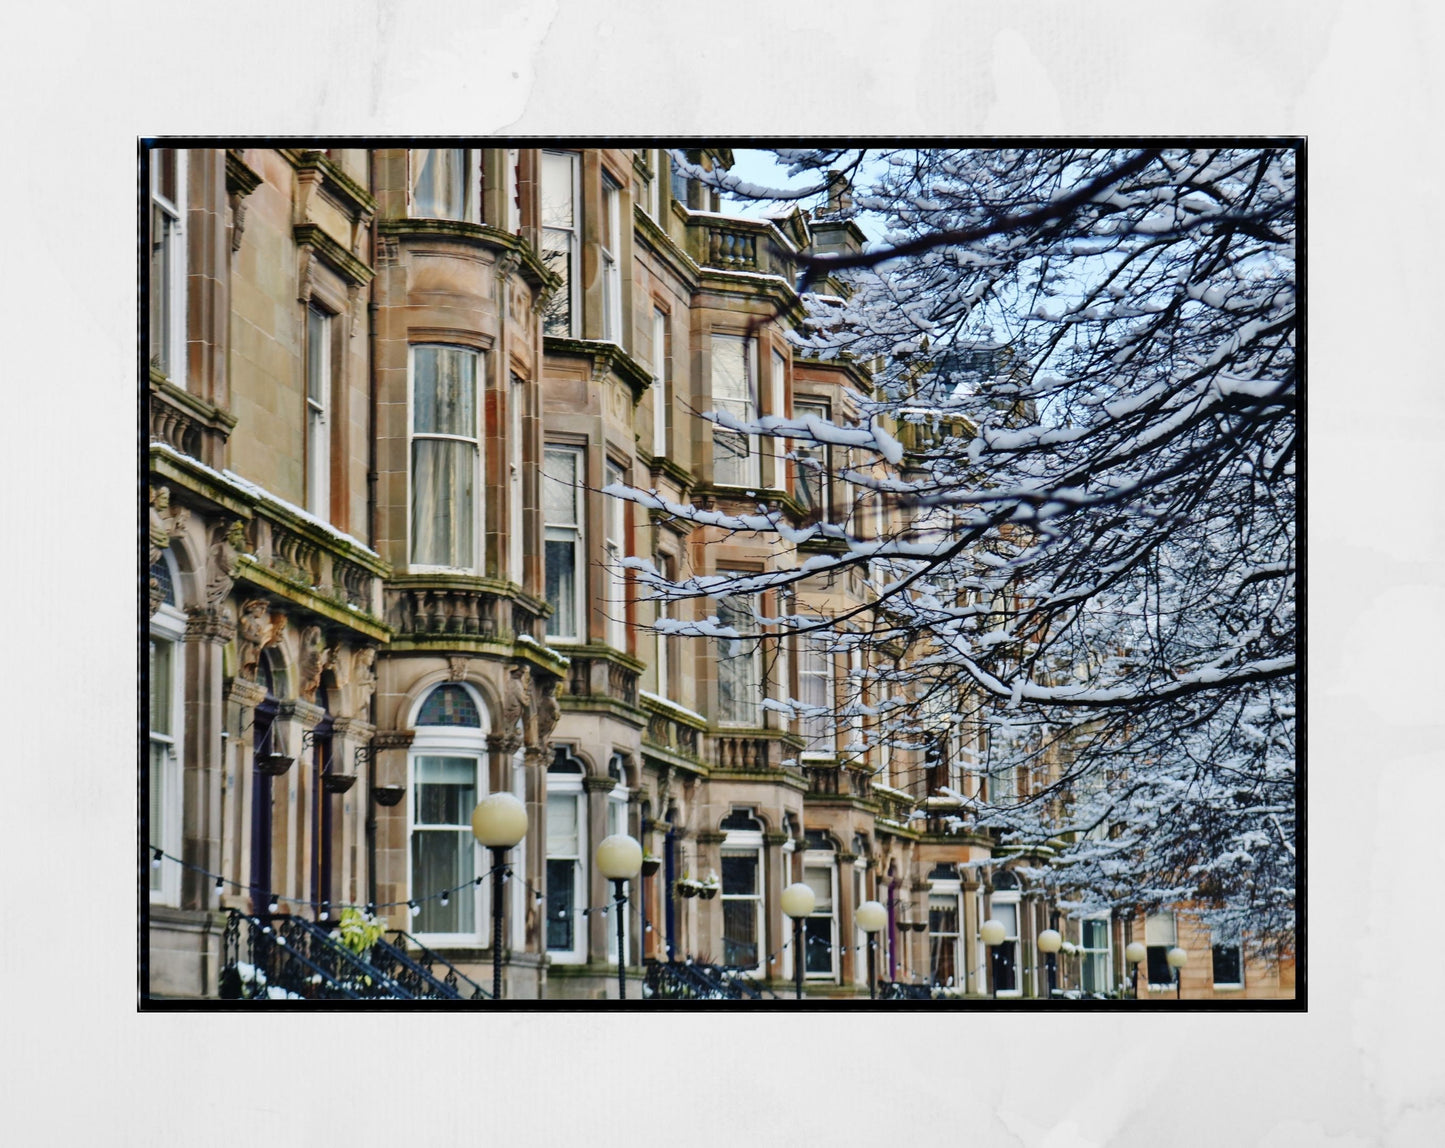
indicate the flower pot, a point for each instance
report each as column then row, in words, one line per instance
column 650, row 865
column 708, row 892
column 687, row 889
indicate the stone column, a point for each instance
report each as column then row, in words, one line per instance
column 776, row 927
column 848, row 956
column 237, row 794
column 977, row 982
column 534, row 763
column 389, row 779
column 203, row 758
column 349, row 829
column 918, row 961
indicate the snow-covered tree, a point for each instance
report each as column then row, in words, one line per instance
column 1084, row 432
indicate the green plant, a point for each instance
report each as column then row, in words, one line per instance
column 358, row 932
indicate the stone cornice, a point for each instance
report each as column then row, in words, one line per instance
column 348, row 194
column 249, row 570
column 477, row 235
column 607, row 358
column 393, row 738
column 711, row 837
column 661, row 244
column 600, row 784
column 661, row 466
column 862, row 381
column 246, row 693
column 753, row 284
column 241, row 178
column 351, row 269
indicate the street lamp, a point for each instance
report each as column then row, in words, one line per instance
column 798, row 902
column 1049, row 943
column 992, row 933
column 499, row 821
column 871, row 917
column 1134, row 952
column 1177, row 959
column 619, row 859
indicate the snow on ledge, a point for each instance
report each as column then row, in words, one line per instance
column 667, row 703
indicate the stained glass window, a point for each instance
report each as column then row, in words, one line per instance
column 449, row 705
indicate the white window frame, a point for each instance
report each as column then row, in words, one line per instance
column 318, row 411
column 654, row 185
column 576, row 533
column 1156, row 926
column 777, row 405
column 168, row 224
column 513, row 207
column 950, row 891
column 1012, row 897
column 805, row 450
column 568, row 787
column 663, row 652
column 610, row 251
column 168, row 626
column 744, row 408
column 753, row 657
column 816, row 667
column 1106, row 953
column 614, row 550
column 516, row 534
column 1234, row 941
column 745, row 842
column 824, row 859
column 459, row 742
column 659, row 382
column 470, row 210
column 572, row 246
column 478, row 465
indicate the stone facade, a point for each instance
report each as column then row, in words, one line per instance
column 384, row 578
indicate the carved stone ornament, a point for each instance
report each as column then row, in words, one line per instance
column 516, row 704
column 363, row 678
column 255, row 631
column 456, row 669
column 229, row 544
column 311, row 661
column 164, row 521
column 206, row 625
column 507, row 262
column 548, row 712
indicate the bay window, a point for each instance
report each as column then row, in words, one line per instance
column 734, row 392
column 614, row 546
column 739, row 692
column 816, row 694
column 1227, row 953
column 659, row 382
column 812, row 464
column 1095, row 959
column 820, row 928
column 609, row 251
column 444, row 184
column 1004, row 958
column 560, row 197
column 516, row 549
column 1160, row 935
column 167, row 677
column 318, row 407
column 943, row 933
column 742, row 891
column 562, row 511
column 566, row 854
column 447, row 780
column 168, row 263
column 445, row 457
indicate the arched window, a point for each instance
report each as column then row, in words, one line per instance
column 743, row 939
column 820, row 930
column 166, row 733
column 566, row 858
column 1004, row 958
column 448, row 778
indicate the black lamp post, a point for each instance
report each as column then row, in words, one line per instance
column 1050, row 942
column 1177, row 959
column 798, row 901
column 619, row 859
column 1135, row 953
column 992, row 934
column 498, row 822
column 871, row 917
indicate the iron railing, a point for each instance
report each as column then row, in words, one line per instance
column 457, row 983
column 285, row 957
column 682, row 980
